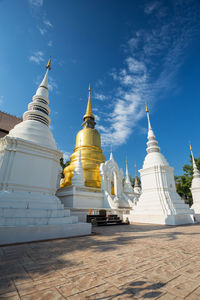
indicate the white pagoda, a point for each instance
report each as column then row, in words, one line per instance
column 29, row 166
column 159, row 202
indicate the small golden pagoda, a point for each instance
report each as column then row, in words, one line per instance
column 88, row 140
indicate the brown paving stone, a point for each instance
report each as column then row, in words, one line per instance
column 113, row 261
column 11, row 296
column 49, row 294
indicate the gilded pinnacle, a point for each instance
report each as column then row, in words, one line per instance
column 190, row 147
column 89, row 113
column 48, row 66
column 147, row 109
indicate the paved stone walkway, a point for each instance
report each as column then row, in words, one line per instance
column 118, row 262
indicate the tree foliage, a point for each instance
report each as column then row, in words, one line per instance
column 184, row 182
column 63, row 165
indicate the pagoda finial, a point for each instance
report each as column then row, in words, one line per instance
column 147, row 111
column 111, row 152
column 89, row 113
column 48, row 66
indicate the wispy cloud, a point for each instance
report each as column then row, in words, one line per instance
column 100, row 96
column 50, row 44
column 36, row 3
column 47, row 23
column 42, row 31
column 37, row 57
column 151, row 6
column 151, row 61
column 45, row 26
column 1, row 99
column 52, row 84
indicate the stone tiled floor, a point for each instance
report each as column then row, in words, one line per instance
column 118, row 262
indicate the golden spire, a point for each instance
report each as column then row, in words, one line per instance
column 147, row 109
column 89, row 113
column 190, row 147
column 48, row 66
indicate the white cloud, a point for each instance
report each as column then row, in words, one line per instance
column 52, row 84
column 97, row 118
column 37, row 57
column 148, row 73
column 42, row 31
column 150, row 7
column 37, row 3
column 47, row 23
column 100, row 97
column 1, row 99
column 50, row 44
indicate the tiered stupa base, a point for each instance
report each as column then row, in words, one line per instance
column 196, row 208
column 155, row 208
column 25, row 218
column 81, row 199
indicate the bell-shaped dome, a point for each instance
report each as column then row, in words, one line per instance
column 88, row 137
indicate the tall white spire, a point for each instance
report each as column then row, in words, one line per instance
column 111, row 153
column 127, row 183
column 35, row 125
column 127, row 178
column 196, row 173
column 78, row 177
column 152, row 144
column 38, row 109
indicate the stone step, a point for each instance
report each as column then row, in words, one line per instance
column 37, row 221
column 30, row 204
column 38, row 213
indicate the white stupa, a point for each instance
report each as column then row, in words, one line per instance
column 78, row 176
column 29, row 166
column 195, row 189
column 159, row 203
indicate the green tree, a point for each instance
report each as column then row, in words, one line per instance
column 63, row 165
column 184, row 182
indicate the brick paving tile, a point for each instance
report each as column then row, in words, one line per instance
column 11, row 296
column 50, row 294
column 120, row 262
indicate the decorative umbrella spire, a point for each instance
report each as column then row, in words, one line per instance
column 38, row 109
column 152, row 144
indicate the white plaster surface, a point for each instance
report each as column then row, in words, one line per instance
column 29, row 167
column 19, row 234
column 159, row 202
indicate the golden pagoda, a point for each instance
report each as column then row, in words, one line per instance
column 88, row 140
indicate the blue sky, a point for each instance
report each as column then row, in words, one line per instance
column 132, row 52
